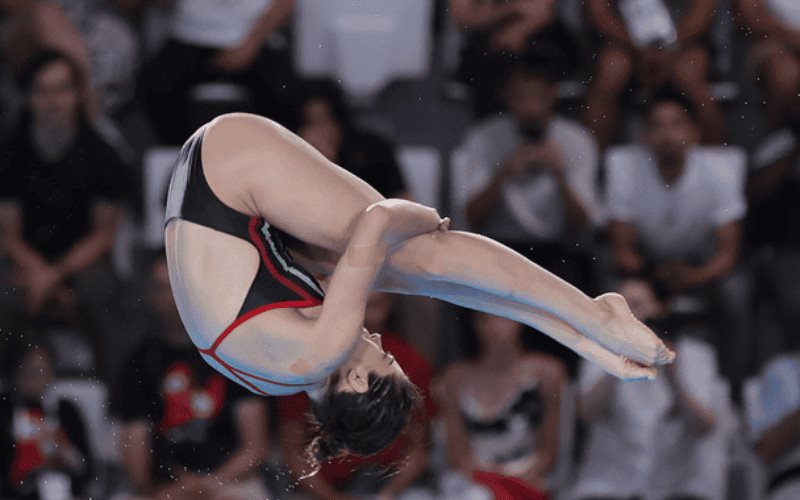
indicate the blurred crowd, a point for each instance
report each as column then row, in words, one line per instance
column 649, row 147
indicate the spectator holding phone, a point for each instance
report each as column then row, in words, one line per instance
column 531, row 180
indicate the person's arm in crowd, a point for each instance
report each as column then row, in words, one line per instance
column 696, row 21
column 40, row 279
column 680, row 276
column 481, row 14
column 414, row 462
column 94, row 245
column 764, row 181
column 779, row 438
column 549, row 434
column 294, row 436
column 577, row 216
column 55, row 30
column 627, row 257
column 458, row 451
column 12, row 241
column 243, row 54
column 760, row 20
column 482, row 203
column 700, row 416
column 136, row 455
column 604, row 19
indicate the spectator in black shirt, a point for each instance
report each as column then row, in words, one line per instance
column 188, row 431
column 61, row 195
column 42, row 440
column 325, row 121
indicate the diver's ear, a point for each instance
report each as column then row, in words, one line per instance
column 357, row 379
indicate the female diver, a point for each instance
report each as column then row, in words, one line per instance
column 253, row 211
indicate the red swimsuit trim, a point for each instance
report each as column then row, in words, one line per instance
column 308, row 301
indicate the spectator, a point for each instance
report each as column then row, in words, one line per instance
column 325, row 121
column 653, row 440
column 400, row 465
column 774, row 418
column 499, row 33
column 775, row 57
column 61, row 194
column 211, row 39
column 532, row 177
column 676, row 213
column 43, row 442
column 678, row 54
column 187, row 430
column 774, row 226
column 502, row 409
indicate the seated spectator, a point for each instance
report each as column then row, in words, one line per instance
column 653, row 439
column 498, row 33
column 531, row 182
column 774, row 226
column 677, row 54
column 188, row 432
column 502, row 409
column 33, row 26
column 211, row 40
column 43, row 443
column 324, row 120
column 774, row 419
column 775, row 56
column 62, row 190
column 676, row 213
column 391, row 473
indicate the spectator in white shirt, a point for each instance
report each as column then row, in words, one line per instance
column 675, row 213
column 532, row 176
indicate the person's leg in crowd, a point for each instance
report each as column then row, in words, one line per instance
column 732, row 313
column 165, row 83
column 96, row 289
column 783, row 275
column 691, row 76
column 611, row 78
column 779, row 72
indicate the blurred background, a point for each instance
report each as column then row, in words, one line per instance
column 644, row 146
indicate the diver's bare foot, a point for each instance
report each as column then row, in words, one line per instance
column 625, row 335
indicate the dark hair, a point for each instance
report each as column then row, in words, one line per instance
column 531, row 66
column 328, row 91
column 670, row 95
column 362, row 424
column 42, row 59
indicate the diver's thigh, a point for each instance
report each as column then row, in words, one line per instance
column 255, row 165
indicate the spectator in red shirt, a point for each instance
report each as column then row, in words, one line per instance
column 408, row 454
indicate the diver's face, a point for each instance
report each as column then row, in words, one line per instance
column 368, row 357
